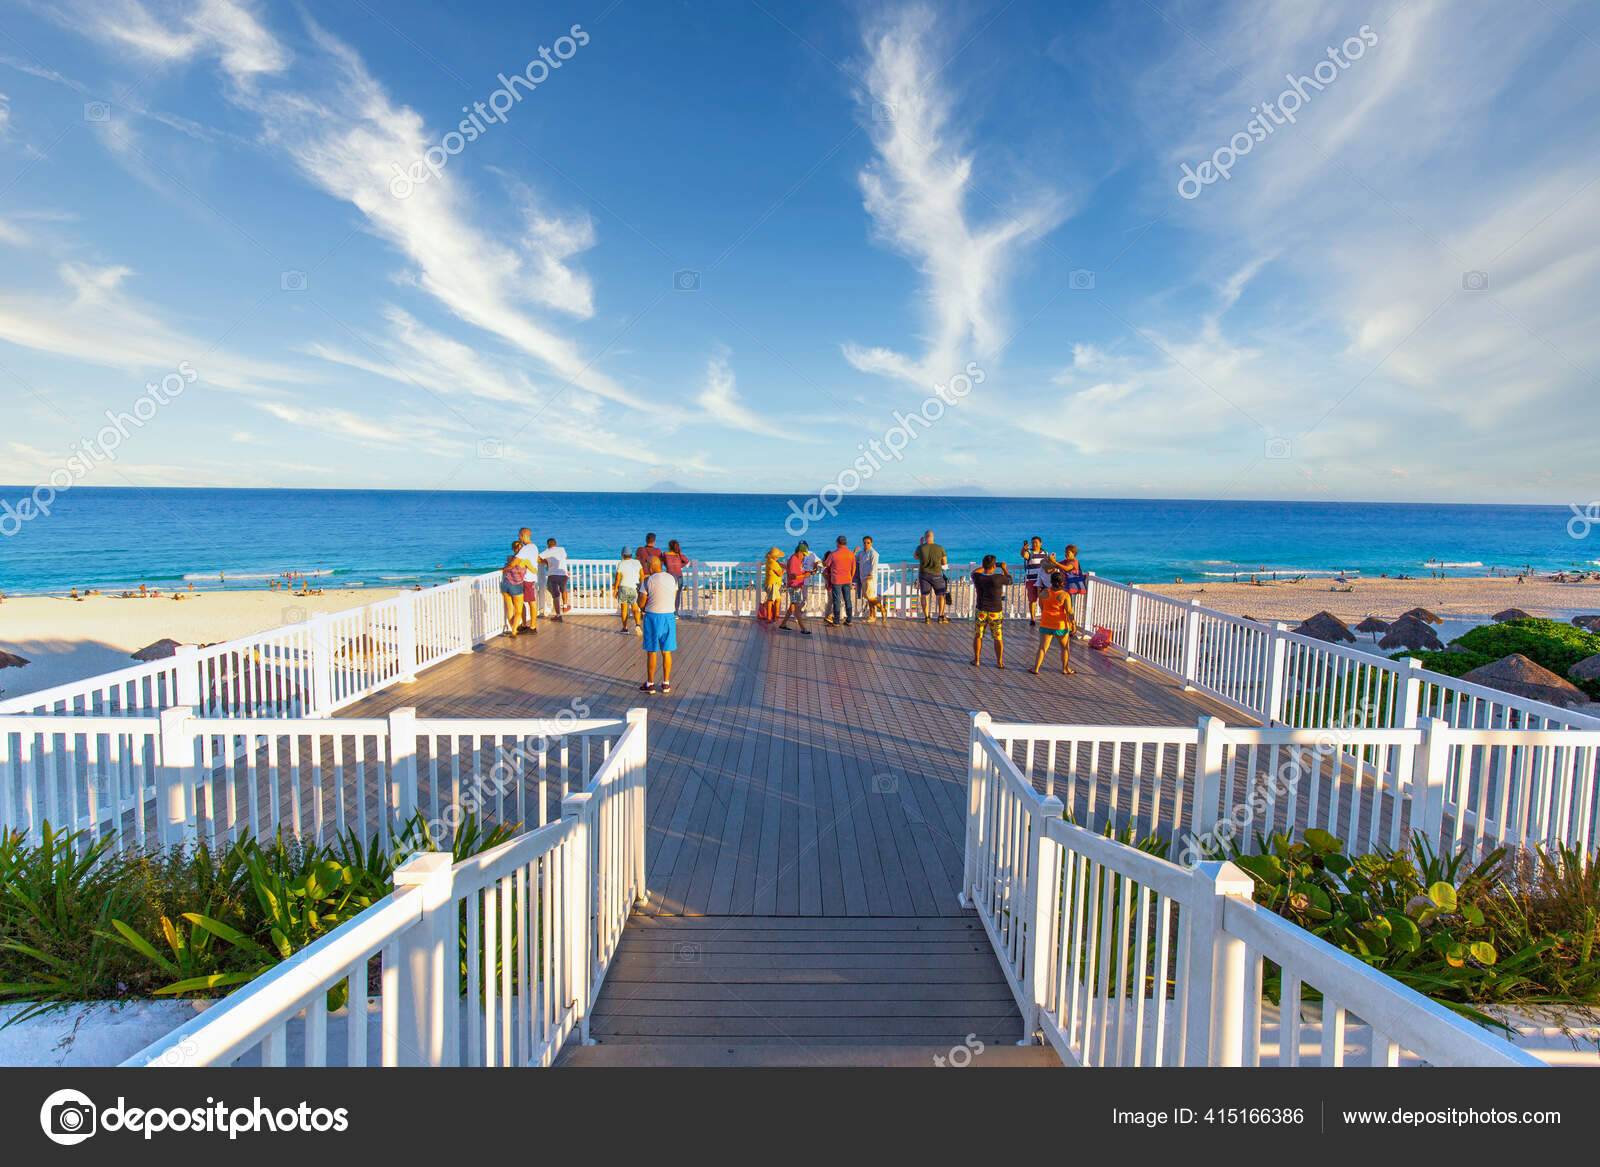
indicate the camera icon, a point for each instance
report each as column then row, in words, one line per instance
column 885, row 784
column 96, row 111
column 491, row 448
column 295, row 615
column 292, row 281
column 882, row 111
column 685, row 954
column 1279, row 449
column 686, row 280
column 1475, row 281
column 68, row 1117
column 1080, row 280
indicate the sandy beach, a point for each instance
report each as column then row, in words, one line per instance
column 66, row 639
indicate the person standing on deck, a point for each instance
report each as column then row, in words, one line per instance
column 511, row 578
column 1075, row 583
column 660, row 629
column 529, row 555
column 771, row 585
column 1033, row 561
column 1055, row 623
column 555, row 561
column 625, row 586
column 649, row 556
column 675, row 561
column 796, row 577
column 989, row 582
column 839, row 567
column 867, row 575
column 931, row 577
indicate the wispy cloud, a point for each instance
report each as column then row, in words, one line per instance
column 719, row 399
column 917, row 191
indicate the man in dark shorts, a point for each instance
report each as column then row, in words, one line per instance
column 1033, row 563
column 931, row 579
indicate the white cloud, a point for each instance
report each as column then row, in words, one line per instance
column 719, row 398
column 917, row 192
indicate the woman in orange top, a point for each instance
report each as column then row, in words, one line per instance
column 1055, row 623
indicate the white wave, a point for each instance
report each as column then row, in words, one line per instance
column 199, row 575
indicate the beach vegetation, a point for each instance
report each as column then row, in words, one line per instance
column 83, row 922
column 1554, row 645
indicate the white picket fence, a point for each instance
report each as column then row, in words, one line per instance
column 1119, row 958
column 1277, row 677
column 1199, row 788
column 493, row 961
column 173, row 777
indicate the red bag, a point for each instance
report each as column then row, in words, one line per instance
column 1101, row 639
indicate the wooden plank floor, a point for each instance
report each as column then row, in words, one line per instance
column 797, row 776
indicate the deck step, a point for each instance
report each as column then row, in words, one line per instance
column 684, row 1056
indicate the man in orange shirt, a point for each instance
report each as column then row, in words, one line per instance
column 839, row 566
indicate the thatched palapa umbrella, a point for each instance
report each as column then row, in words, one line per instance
column 1424, row 615
column 1517, row 674
column 1410, row 632
column 1587, row 623
column 158, row 650
column 1588, row 669
column 1326, row 626
column 1511, row 614
column 10, row 660
column 1373, row 625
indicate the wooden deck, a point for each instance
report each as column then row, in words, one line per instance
column 794, row 775
column 806, row 805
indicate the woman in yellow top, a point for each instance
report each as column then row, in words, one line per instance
column 1055, row 623
column 771, row 585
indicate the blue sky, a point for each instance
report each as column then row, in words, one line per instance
column 723, row 244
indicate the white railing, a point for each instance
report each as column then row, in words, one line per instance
column 1278, row 677
column 1201, row 789
column 173, row 777
column 1120, row 958
column 493, row 961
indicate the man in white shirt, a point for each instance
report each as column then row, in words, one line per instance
column 660, row 629
column 555, row 561
column 626, row 586
column 529, row 554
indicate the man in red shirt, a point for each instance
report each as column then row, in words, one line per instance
column 796, row 576
column 839, row 566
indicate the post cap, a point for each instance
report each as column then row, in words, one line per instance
column 423, row 867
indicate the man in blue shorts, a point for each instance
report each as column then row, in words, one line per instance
column 660, row 628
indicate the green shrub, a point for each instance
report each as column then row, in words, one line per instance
column 1551, row 643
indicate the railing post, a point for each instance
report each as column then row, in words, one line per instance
column 1191, row 643
column 1410, row 695
column 1277, row 664
column 186, row 660
column 321, row 626
column 1216, row 973
column 1087, row 615
column 975, row 781
column 639, row 795
column 1133, row 620
column 427, row 1008
column 175, row 779
column 1044, row 906
column 405, row 637
column 403, row 765
column 1428, row 780
column 1207, row 782
column 580, row 922
column 463, row 611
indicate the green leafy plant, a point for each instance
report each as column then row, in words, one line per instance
column 1551, row 643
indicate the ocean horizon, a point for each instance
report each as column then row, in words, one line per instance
column 114, row 537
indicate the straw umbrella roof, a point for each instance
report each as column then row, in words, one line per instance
column 1587, row 623
column 1424, row 615
column 1326, row 626
column 10, row 660
column 1511, row 614
column 158, row 650
column 1410, row 632
column 1588, row 669
column 1517, row 674
column 1373, row 625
